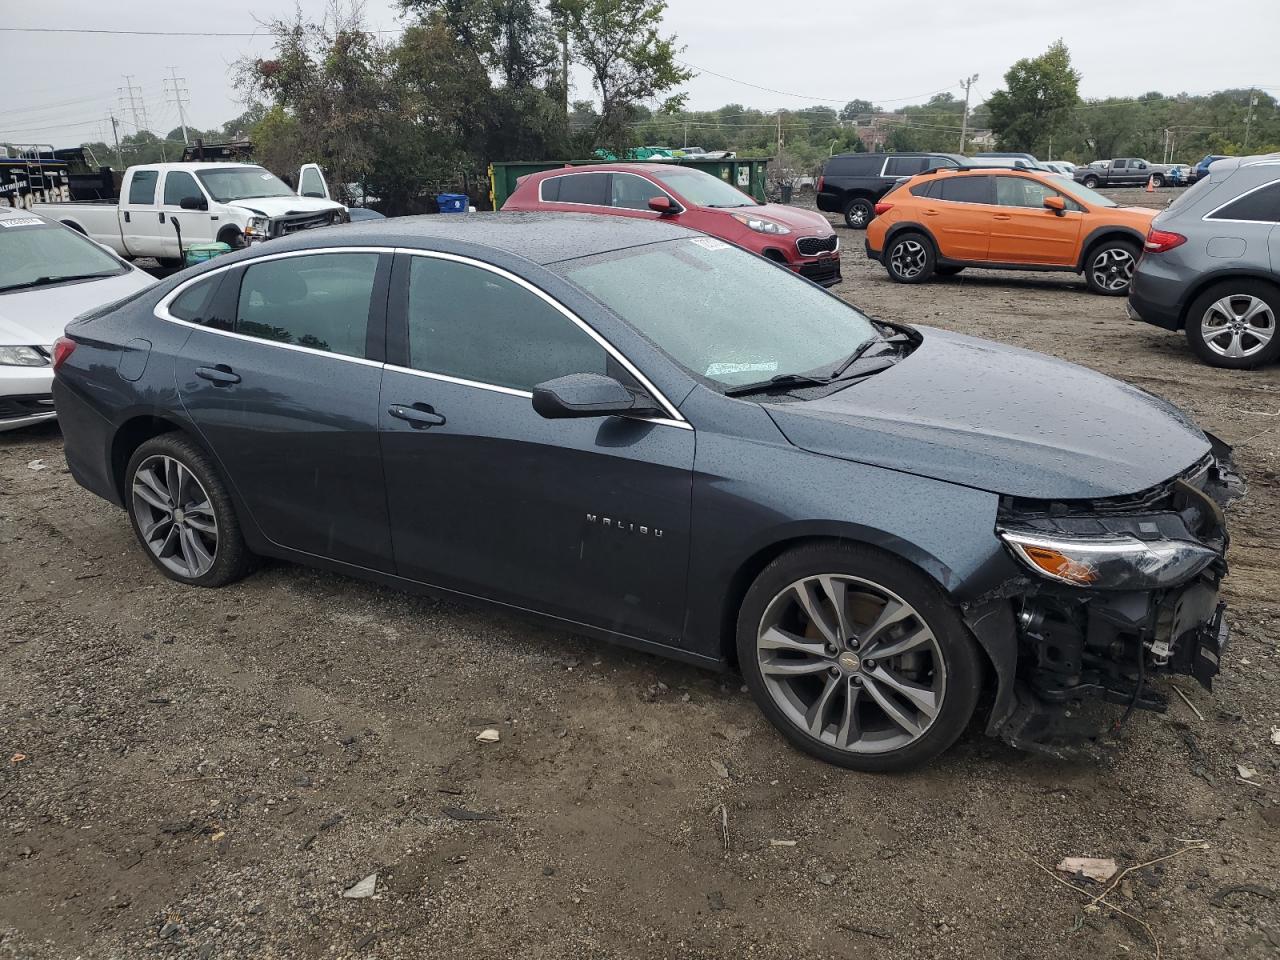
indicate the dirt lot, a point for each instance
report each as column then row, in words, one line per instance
column 202, row 774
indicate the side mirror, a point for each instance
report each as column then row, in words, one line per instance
column 194, row 203
column 1056, row 204
column 665, row 206
column 586, row 395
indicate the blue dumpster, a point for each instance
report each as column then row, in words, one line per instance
column 452, row 202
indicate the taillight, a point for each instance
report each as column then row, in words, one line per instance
column 62, row 348
column 883, row 208
column 1162, row 241
column 821, row 181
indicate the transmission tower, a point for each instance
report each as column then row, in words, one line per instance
column 176, row 87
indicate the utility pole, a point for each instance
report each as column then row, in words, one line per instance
column 115, row 135
column 779, row 119
column 1248, row 120
column 180, row 98
column 964, row 118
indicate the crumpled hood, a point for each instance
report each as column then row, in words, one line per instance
column 37, row 317
column 283, row 206
column 997, row 418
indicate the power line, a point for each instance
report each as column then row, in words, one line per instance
column 801, row 96
column 155, row 33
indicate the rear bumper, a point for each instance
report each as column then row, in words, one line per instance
column 86, row 443
column 1155, row 299
column 872, row 253
column 829, row 203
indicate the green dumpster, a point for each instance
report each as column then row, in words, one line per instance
column 745, row 173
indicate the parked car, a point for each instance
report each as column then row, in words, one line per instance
column 853, row 183
column 1028, row 160
column 941, row 222
column 1211, row 265
column 1201, row 169
column 1124, row 172
column 231, row 203
column 643, row 434
column 356, row 214
column 1061, row 168
column 48, row 275
column 1007, row 163
column 800, row 240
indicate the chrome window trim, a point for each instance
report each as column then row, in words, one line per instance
column 161, row 310
column 673, row 417
column 1262, row 186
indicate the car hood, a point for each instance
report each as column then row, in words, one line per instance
column 37, row 317
column 997, row 418
column 807, row 222
column 284, row 206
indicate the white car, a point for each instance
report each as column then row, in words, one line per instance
column 1061, row 168
column 49, row 274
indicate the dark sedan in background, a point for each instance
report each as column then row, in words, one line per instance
column 873, row 522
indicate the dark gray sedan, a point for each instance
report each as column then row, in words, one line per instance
column 650, row 436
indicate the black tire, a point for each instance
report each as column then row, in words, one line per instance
column 859, row 212
column 1090, row 182
column 169, row 263
column 231, row 558
column 1109, row 266
column 909, row 258
column 233, row 238
column 947, row 270
column 1239, row 295
column 962, row 673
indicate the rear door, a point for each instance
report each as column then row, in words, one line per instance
column 1024, row 230
column 959, row 214
column 140, row 213
column 283, row 386
column 195, row 225
column 584, row 519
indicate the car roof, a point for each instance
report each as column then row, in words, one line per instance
column 539, row 237
column 902, row 153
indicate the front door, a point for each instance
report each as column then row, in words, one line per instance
column 195, row 225
column 586, row 519
column 1024, row 230
column 288, row 400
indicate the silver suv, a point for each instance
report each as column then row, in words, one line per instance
column 1211, row 264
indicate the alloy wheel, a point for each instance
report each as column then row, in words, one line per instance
column 908, row 259
column 851, row 663
column 175, row 516
column 858, row 215
column 1238, row 326
column 1112, row 268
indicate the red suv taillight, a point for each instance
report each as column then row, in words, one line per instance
column 883, row 208
column 1162, row 241
column 821, row 181
column 62, row 348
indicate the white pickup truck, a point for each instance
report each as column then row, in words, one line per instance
column 236, row 203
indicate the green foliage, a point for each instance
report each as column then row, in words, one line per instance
column 1039, row 102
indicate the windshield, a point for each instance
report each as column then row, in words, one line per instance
column 242, row 183
column 721, row 313
column 1085, row 195
column 702, row 189
column 33, row 251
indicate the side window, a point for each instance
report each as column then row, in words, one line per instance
column 142, row 188
column 966, row 190
column 1260, row 205
column 935, row 163
column 904, row 166
column 632, row 192
column 1140, row 164
column 312, row 184
column 855, row 166
column 195, row 303
column 177, row 185
column 1120, row 164
column 549, row 189
column 929, row 188
column 319, row 301
column 592, row 188
column 474, row 324
column 1025, row 192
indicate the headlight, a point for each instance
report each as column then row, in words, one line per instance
column 1109, row 563
column 258, row 227
column 22, row 357
column 760, row 224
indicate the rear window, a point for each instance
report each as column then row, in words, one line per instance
column 1258, row 206
column 853, row 166
column 142, row 187
column 592, row 188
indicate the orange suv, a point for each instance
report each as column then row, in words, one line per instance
column 943, row 221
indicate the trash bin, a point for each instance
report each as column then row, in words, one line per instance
column 200, row 252
column 452, row 202
column 786, row 193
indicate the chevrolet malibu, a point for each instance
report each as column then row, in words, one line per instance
column 881, row 526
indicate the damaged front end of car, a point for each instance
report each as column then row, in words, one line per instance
column 1115, row 592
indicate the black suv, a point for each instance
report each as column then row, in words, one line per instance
column 852, row 183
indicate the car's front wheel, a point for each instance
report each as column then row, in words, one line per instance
column 1108, row 268
column 857, row 658
column 910, row 258
column 182, row 514
column 1157, row 180
column 859, row 212
column 1233, row 324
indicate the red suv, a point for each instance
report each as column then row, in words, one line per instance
column 802, row 240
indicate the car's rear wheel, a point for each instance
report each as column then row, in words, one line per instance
column 857, row 658
column 910, row 258
column 1090, row 182
column 182, row 514
column 1233, row 324
column 859, row 212
column 1108, row 269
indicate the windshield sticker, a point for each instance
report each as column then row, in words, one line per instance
column 22, row 222
column 710, row 243
column 725, row 369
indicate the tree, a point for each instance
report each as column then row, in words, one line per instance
column 856, row 108
column 1041, row 97
column 629, row 62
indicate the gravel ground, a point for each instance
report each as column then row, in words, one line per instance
column 203, row 773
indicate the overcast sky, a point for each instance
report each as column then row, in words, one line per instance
column 59, row 87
